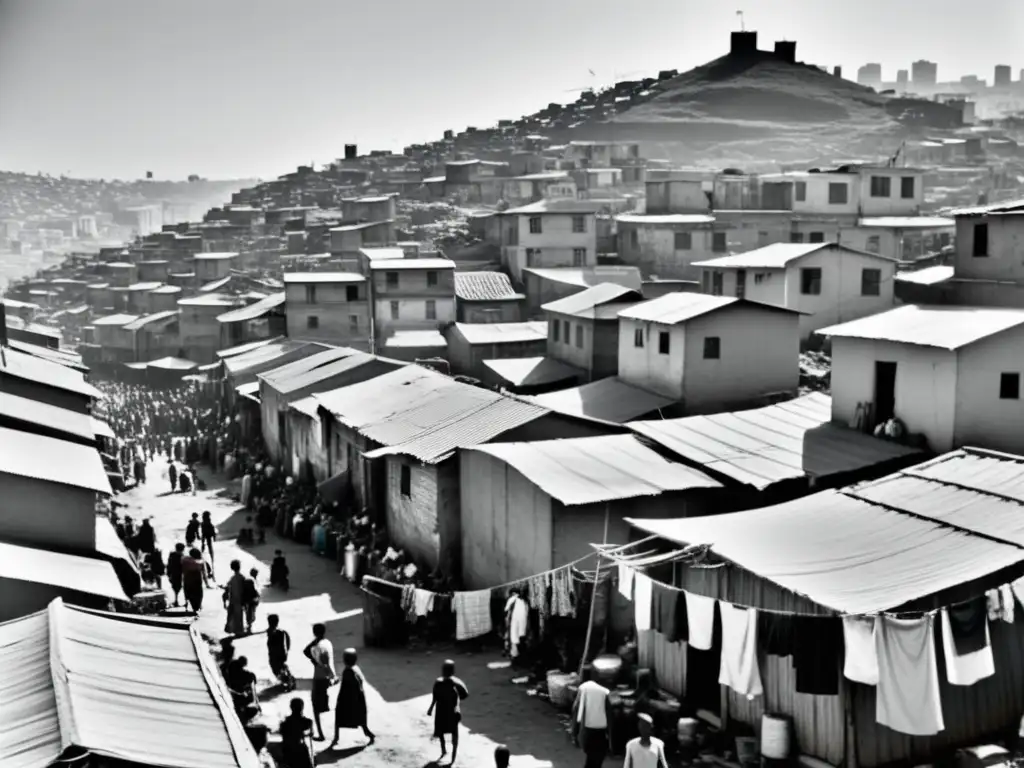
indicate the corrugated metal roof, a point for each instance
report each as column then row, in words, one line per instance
column 927, row 276
column 41, row 566
column 32, row 368
column 280, row 377
column 215, row 285
column 532, row 371
column 58, row 356
column 142, row 691
column 980, row 210
column 559, row 205
column 291, row 278
column 585, row 277
column 763, row 446
column 52, row 460
column 151, row 285
column 248, row 390
column 590, row 298
column 156, row 317
column 609, row 399
column 308, row 406
column 774, row 256
column 474, row 427
column 208, row 300
column 360, row 227
column 241, row 349
column 390, row 265
column 216, row 256
column 425, row 339
column 116, row 319
column 101, row 428
column 167, row 289
column 382, row 254
column 590, row 470
column 843, row 553
column 945, row 327
column 673, row 308
column 172, row 364
column 503, row 333
column 43, row 414
column 907, row 222
column 668, row 218
column 338, row 367
column 263, row 356
column 484, row 286
column 253, row 311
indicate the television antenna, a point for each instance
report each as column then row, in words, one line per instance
column 743, row 26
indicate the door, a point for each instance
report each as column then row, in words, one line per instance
column 741, row 283
column 885, row 391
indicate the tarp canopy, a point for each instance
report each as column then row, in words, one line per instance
column 143, row 691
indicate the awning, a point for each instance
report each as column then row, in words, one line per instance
column 102, row 429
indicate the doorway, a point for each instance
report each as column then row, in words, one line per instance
column 885, row 391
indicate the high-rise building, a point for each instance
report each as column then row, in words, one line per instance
column 924, row 72
column 869, row 74
column 902, row 76
column 1002, row 75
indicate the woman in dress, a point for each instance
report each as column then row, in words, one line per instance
column 446, row 706
column 193, row 576
column 350, row 710
column 234, row 601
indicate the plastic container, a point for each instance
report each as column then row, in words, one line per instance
column 776, row 737
column 558, row 688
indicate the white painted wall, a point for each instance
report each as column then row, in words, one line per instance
column 1005, row 260
column 895, row 204
column 645, row 367
column 926, row 385
column 982, row 418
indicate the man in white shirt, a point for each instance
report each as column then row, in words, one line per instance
column 591, row 719
column 321, row 652
column 645, row 751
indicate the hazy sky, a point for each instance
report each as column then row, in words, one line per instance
column 236, row 88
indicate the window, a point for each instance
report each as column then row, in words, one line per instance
column 907, row 187
column 816, row 237
column 716, row 283
column 712, row 348
column 741, row 283
column 881, row 186
column 555, row 328
column 718, row 242
column 871, row 282
column 796, row 237
column 312, row 322
column 638, row 338
column 566, row 330
column 684, row 241
column 875, row 244
column 979, row 248
column 311, row 294
column 351, row 293
column 800, row 191
column 760, row 277
column 664, row 342
column 579, row 336
column 405, row 482
column 579, row 257
column 535, row 225
column 810, row 281
column 634, row 238
column 391, row 279
column 1009, row 386
column 838, row 193
column 431, row 310
column 431, row 279
column 394, row 310
column 353, row 323
column 579, row 224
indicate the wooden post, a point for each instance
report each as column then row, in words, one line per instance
column 593, row 594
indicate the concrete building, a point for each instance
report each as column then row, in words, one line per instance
column 924, row 72
column 471, row 344
column 583, row 329
column 709, row 352
column 332, row 307
column 852, row 190
column 988, row 265
column 487, row 297
column 262, row 319
column 411, row 295
column 115, row 337
column 951, row 374
column 665, row 245
column 155, row 336
column 347, row 240
column 870, row 75
column 826, row 283
column 200, row 328
column 533, row 187
column 213, row 266
column 549, row 233
column 1002, row 76
column 546, row 285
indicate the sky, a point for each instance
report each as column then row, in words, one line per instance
column 253, row 88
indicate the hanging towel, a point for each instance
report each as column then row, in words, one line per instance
column 739, row 669
column 818, row 654
column 626, row 581
column 969, row 668
column 1007, row 602
column 669, row 613
column 518, row 613
column 561, row 593
column 775, row 633
column 472, row 614
column 642, row 594
column 1017, row 588
column 968, row 622
column 993, row 605
column 859, row 641
column 907, row 696
column 423, row 601
column 537, row 589
column 700, row 616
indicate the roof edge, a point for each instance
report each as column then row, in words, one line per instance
column 69, row 735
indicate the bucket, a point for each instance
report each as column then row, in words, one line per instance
column 607, row 668
column 776, row 743
column 746, row 750
column 558, row 688
column 686, row 732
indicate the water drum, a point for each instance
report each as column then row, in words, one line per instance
column 776, row 741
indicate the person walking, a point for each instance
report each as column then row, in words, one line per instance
column 251, row 599
column 172, row 475
column 192, row 530
column 209, row 534
column 321, row 653
column 446, row 707
column 234, row 601
column 350, row 709
column 645, row 751
column 193, row 578
column 590, row 719
column 296, row 734
column 279, row 642
column 174, row 570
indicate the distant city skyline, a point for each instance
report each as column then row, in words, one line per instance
column 253, row 88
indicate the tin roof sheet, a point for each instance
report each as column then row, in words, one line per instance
column 416, row 339
column 664, row 218
column 92, row 576
column 278, row 378
column 564, row 206
column 119, row 319
column 763, row 446
column 609, row 399
column 253, row 311
column 263, row 357
column 52, row 460
column 927, row 276
column 292, row 278
column 390, row 265
column 382, row 254
column 532, row 371
column 208, row 300
column 172, row 364
column 249, row 346
column 142, row 322
column 51, row 374
column 58, row 356
column 586, row 300
column 585, row 277
column 944, row 327
column 590, row 470
column 484, row 286
column 908, row 222
column 503, row 333
column 22, row 409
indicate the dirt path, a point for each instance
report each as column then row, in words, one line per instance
column 497, row 712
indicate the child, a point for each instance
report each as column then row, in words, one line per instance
column 251, row 599
column 279, row 643
column 279, row 571
column 192, row 530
